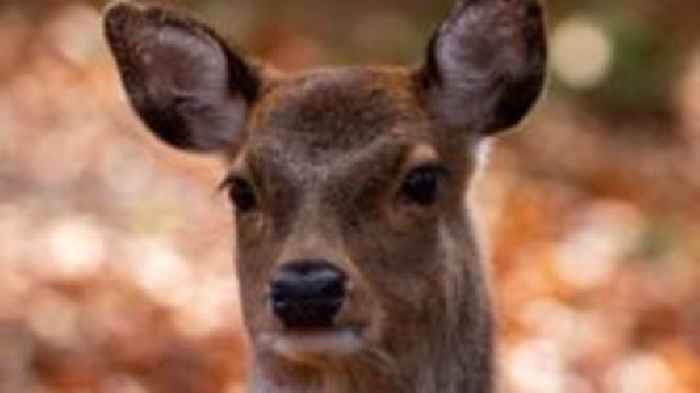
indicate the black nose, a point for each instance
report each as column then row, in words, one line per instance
column 307, row 293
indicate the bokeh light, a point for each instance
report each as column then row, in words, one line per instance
column 582, row 53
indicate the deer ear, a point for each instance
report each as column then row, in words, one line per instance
column 486, row 65
column 180, row 77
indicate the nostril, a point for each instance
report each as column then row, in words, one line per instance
column 307, row 293
column 334, row 287
column 308, row 280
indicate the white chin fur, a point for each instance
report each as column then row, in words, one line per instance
column 300, row 346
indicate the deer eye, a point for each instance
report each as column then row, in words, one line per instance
column 421, row 185
column 242, row 194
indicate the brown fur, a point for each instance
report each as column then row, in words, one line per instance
column 327, row 152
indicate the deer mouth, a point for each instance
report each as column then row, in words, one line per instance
column 305, row 344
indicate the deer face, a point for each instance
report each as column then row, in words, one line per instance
column 347, row 184
column 346, row 201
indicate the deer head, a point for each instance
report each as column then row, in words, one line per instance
column 358, row 265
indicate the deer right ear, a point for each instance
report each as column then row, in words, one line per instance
column 182, row 80
column 486, row 65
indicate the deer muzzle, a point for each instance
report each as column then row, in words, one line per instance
column 307, row 294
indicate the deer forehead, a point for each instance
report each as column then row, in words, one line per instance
column 341, row 122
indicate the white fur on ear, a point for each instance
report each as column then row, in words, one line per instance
column 483, row 152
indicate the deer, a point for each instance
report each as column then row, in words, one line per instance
column 359, row 264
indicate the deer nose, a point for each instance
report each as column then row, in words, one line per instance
column 307, row 293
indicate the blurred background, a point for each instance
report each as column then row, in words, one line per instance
column 115, row 251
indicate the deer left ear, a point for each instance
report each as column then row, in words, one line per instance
column 187, row 86
column 486, row 65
